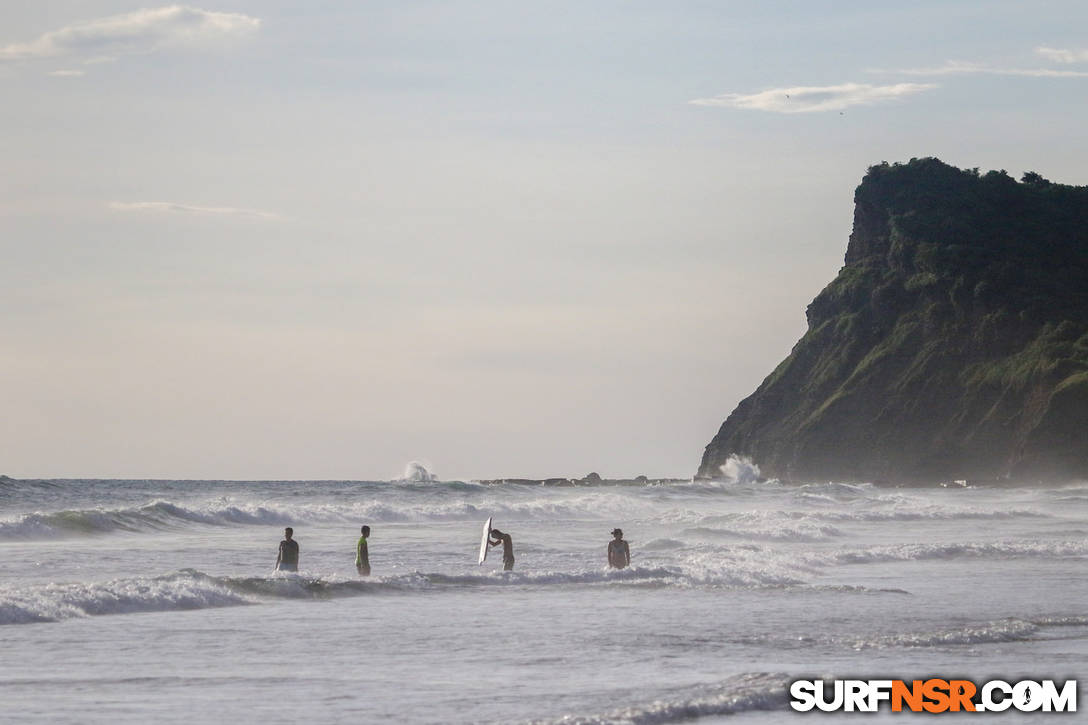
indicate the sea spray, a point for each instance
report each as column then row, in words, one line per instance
column 740, row 469
column 416, row 472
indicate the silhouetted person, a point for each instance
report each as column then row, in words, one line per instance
column 287, row 559
column 362, row 554
column 507, row 548
column 619, row 553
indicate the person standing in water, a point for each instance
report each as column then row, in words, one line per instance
column 619, row 553
column 507, row 548
column 362, row 554
column 287, row 559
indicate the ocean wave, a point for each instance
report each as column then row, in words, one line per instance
column 54, row 602
column 1012, row 629
column 639, row 576
column 155, row 516
column 15, row 484
column 416, row 472
column 928, row 513
column 917, row 513
column 300, row 587
column 738, row 567
column 1066, row 621
column 167, row 515
column 1009, row 630
column 819, row 525
column 182, row 590
column 831, row 493
column 741, row 693
column 921, row 552
column 662, row 545
column 740, row 469
column 803, row 532
column 857, row 589
column 192, row 589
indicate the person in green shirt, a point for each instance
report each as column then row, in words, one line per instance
column 362, row 554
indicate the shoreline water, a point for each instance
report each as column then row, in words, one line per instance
column 129, row 601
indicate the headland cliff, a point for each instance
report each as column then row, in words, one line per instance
column 953, row 344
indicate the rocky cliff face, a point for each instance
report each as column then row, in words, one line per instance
column 953, row 344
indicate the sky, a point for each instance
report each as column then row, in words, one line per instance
column 281, row 240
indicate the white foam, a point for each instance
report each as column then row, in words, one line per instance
column 738, row 694
column 155, row 516
column 760, row 528
column 191, row 589
column 740, row 470
column 167, row 515
column 1010, row 630
column 1067, row 621
column 54, row 602
column 919, row 552
column 416, row 472
column 662, row 545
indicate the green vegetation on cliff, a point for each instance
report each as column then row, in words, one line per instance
column 952, row 344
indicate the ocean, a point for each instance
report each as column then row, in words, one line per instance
column 126, row 601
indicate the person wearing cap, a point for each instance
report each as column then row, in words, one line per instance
column 287, row 559
column 619, row 553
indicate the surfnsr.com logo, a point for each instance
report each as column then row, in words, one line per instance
column 933, row 695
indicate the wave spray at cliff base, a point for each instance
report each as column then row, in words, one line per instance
column 740, row 470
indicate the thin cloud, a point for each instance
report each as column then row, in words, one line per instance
column 142, row 31
column 67, row 73
column 814, row 99
column 957, row 68
column 169, row 207
column 1063, row 55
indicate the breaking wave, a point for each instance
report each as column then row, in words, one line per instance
column 1007, row 630
column 158, row 515
column 416, row 472
column 741, row 693
column 54, row 602
column 1011, row 629
column 920, row 552
column 166, row 515
column 925, row 513
column 191, row 589
column 740, row 469
column 797, row 532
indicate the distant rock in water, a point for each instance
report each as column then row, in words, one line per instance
column 953, row 344
column 592, row 479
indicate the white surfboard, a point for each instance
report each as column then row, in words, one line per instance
column 483, row 542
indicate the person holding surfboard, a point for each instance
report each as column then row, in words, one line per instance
column 362, row 553
column 619, row 553
column 499, row 537
column 287, row 559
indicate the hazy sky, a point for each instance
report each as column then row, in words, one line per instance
column 320, row 239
